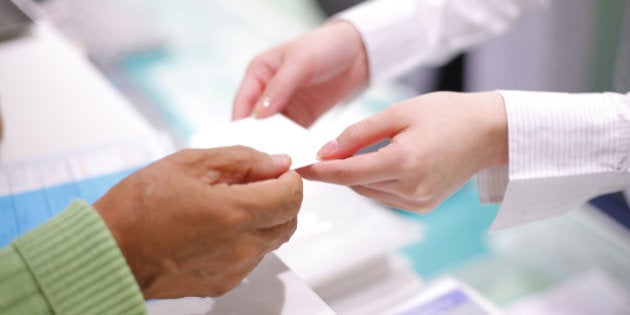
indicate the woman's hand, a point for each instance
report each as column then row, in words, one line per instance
column 438, row 141
column 304, row 77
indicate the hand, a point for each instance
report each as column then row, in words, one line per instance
column 305, row 77
column 197, row 222
column 438, row 141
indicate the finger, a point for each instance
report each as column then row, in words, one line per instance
column 393, row 200
column 230, row 278
column 362, row 134
column 258, row 74
column 277, row 235
column 288, row 79
column 200, row 282
column 264, row 166
column 239, row 164
column 270, row 202
column 403, row 189
column 248, row 92
column 385, row 198
column 361, row 169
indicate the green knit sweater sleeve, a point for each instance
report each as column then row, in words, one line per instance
column 69, row 265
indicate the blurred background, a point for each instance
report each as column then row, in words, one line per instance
column 180, row 63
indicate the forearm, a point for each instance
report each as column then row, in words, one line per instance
column 69, row 265
column 401, row 34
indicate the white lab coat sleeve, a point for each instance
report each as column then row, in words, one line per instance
column 564, row 149
column 401, row 34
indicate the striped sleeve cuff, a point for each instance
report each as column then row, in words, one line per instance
column 78, row 266
column 491, row 184
column 564, row 149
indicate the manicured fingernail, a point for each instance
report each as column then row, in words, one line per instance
column 261, row 108
column 328, row 149
column 266, row 102
column 281, row 159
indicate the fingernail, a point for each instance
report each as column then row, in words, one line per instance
column 328, row 149
column 281, row 159
column 262, row 107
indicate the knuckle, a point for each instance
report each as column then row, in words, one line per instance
column 235, row 219
column 235, row 279
column 298, row 197
column 398, row 111
column 224, row 286
column 186, row 152
column 242, row 153
column 244, row 253
column 257, row 65
column 421, row 193
column 261, row 67
column 423, row 204
column 284, row 234
column 408, row 161
column 254, row 64
column 185, row 155
column 218, row 290
column 355, row 131
column 341, row 175
column 290, row 193
column 289, row 228
column 213, row 289
column 238, row 159
column 292, row 227
column 422, row 209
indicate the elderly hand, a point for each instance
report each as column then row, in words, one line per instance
column 304, row 77
column 197, row 222
column 438, row 141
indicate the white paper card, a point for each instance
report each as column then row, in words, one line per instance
column 273, row 135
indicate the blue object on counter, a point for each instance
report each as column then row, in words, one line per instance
column 21, row 212
column 454, row 232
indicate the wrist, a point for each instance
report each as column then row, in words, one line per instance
column 113, row 208
column 350, row 35
column 495, row 119
column 353, row 47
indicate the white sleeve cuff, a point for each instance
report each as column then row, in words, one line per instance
column 388, row 29
column 491, row 184
column 564, row 149
column 401, row 34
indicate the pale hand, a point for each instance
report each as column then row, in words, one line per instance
column 438, row 141
column 197, row 222
column 305, row 77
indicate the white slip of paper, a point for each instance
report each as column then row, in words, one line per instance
column 273, row 135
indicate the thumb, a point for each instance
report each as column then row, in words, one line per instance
column 240, row 165
column 279, row 90
column 267, row 167
column 359, row 136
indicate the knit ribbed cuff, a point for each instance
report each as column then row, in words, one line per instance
column 19, row 293
column 78, row 265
